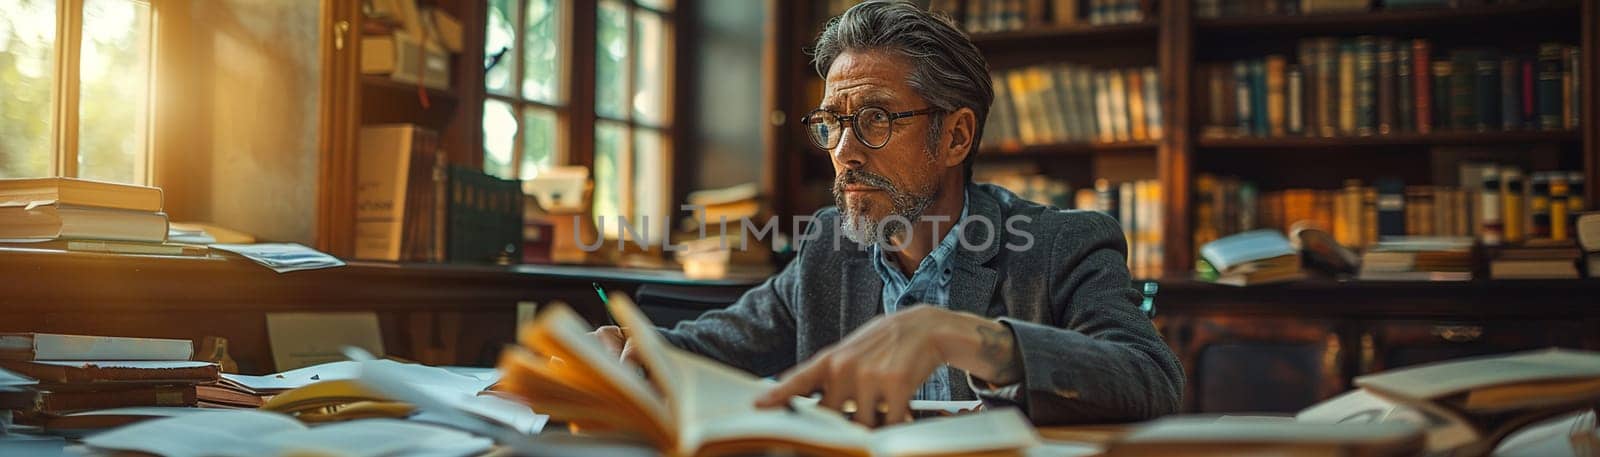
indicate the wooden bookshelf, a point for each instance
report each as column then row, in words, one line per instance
column 1177, row 43
column 1404, row 139
column 388, row 88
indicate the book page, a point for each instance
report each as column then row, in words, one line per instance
column 718, row 405
column 374, row 438
column 560, row 332
column 997, row 430
column 1363, row 407
column 1436, row 380
column 652, row 352
column 233, row 432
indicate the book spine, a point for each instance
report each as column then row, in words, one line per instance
column 1539, row 206
column 1241, row 81
column 1366, row 82
column 1152, row 103
column 1347, row 88
column 1442, row 80
column 1422, row 86
column 1083, row 77
column 1463, row 70
column 1275, row 95
column 1102, row 107
column 1386, row 83
column 1574, row 80
column 1487, row 102
column 1559, row 213
column 1258, row 98
column 1511, row 213
column 1510, row 94
column 1405, row 118
column 1327, row 87
column 1135, row 94
column 1549, row 88
column 1391, row 207
column 1307, row 57
column 1118, row 94
column 1530, row 101
column 1294, row 80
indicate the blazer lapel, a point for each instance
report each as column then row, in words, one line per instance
column 973, row 282
column 863, row 291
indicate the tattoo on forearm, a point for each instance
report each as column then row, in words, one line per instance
column 1000, row 353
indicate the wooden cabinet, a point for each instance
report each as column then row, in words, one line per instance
column 1273, row 364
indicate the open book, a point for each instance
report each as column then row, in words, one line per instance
column 1468, row 406
column 692, row 406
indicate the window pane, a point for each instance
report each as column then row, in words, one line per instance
column 541, row 46
column 538, row 141
column 499, row 137
column 650, row 75
column 611, row 59
column 27, row 48
column 650, row 172
column 114, row 96
column 610, row 141
column 499, row 39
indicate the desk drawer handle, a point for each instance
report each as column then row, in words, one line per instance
column 1458, row 333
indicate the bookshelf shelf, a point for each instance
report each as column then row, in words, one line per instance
column 392, row 88
column 1067, row 149
column 1387, row 20
column 1408, row 139
column 1081, row 33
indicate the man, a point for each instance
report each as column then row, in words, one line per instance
column 891, row 300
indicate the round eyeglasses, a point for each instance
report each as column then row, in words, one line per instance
column 873, row 126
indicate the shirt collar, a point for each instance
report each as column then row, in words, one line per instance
column 938, row 261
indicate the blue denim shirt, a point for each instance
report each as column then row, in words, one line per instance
column 929, row 285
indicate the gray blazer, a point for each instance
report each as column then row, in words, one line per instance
column 1088, row 354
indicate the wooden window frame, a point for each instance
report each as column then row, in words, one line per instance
column 667, row 130
column 65, row 95
column 566, row 10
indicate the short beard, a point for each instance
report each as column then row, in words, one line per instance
column 857, row 223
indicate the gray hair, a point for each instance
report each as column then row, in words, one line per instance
column 948, row 71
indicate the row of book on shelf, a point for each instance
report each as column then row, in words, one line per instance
column 412, row 205
column 1238, row 8
column 1136, row 205
column 1371, row 85
column 983, row 16
column 1064, row 103
column 1501, row 224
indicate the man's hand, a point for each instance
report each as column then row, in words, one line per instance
column 887, row 360
column 615, row 341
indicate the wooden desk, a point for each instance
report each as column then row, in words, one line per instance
column 433, row 313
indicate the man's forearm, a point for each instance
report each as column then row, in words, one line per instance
column 984, row 348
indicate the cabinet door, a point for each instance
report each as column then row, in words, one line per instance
column 1395, row 344
column 1249, row 364
column 341, row 123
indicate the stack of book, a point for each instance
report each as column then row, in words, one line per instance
column 1542, row 259
column 1371, row 85
column 1418, row 259
column 1137, row 206
column 1477, row 405
column 1065, row 103
column 77, row 373
column 409, row 44
column 719, row 232
column 983, row 16
column 1251, row 258
column 85, row 215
